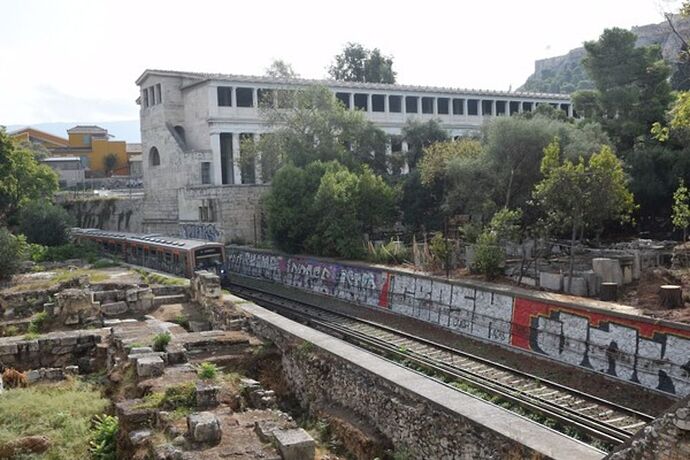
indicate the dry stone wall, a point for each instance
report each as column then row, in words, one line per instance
column 628, row 347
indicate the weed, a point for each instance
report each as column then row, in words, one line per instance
column 207, row 371
column 104, row 437
column 182, row 320
column 161, row 341
column 37, row 323
column 31, row 336
column 10, row 331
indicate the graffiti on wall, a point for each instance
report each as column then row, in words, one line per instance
column 627, row 348
column 196, row 231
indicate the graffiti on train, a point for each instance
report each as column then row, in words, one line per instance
column 208, row 232
column 627, row 348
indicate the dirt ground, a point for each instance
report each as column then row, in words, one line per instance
column 644, row 294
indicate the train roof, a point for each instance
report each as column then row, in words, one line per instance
column 153, row 238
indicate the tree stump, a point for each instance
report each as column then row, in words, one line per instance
column 608, row 291
column 671, row 296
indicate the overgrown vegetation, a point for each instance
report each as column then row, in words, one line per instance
column 61, row 412
column 161, row 341
column 104, row 438
column 180, row 398
column 44, row 223
column 207, row 371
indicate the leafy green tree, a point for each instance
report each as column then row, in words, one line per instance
column 280, row 69
column 45, row 223
column 22, row 178
column 356, row 63
column 317, row 127
column 632, row 89
column 434, row 163
column 419, row 135
column 110, row 163
column 584, row 194
column 681, row 209
column 10, row 253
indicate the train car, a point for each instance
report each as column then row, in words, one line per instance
column 178, row 256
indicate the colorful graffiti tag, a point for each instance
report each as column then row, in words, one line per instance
column 624, row 347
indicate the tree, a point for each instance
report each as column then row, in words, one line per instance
column 110, row 163
column 45, row 223
column 584, row 194
column 434, row 163
column 280, row 69
column 356, row 63
column 681, row 209
column 420, row 135
column 10, row 253
column 632, row 89
column 22, row 178
column 318, row 128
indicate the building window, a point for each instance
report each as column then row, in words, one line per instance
column 427, row 105
column 225, row 96
column 411, row 104
column 86, row 139
column 458, row 108
column 472, row 107
column 179, row 130
column 395, row 104
column 145, row 97
column 344, row 98
column 245, row 97
column 154, row 157
column 158, row 93
column 205, row 172
column 378, row 103
column 361, row 101
column 443, row 105
column 207, row 211
column 152, row 96
column 266, row 97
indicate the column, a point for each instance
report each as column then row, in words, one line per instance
column 493, row 108
column 403, row 106
column 434, row 102
column 369, row 103
column 570, row 110
column 233, row 101
column 520, row 103
column 257, row 162
column 386, row 103
column 236, row 170
column 464, row 107
column 419, row 105
column 352, row 101
column 480, row 108
column 405, row 167
column 216, row 171
column 255, row 98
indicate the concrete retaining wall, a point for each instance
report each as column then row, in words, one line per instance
column 118, row 214
column 636, row 349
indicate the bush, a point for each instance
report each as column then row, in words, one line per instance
column 488, row 256
column 104, row 437
column 37, row 322
column 85, row 250
column 45, row 223
column 10, row 253
column 394, row 252
column 207, row 371
column 441, row 250
column 161, row 341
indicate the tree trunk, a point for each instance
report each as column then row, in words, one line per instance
column 510, row 186
column 671, row 296
column 572, row 257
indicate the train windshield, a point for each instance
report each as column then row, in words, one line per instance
column 208, row 258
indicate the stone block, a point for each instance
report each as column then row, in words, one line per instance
column 72, row 320
column 150, row 366
column 204, row 427
column 551, row 281
column 206, row 395
column 264, row 429
column 592, row 282
column 608, row 270
column 198, row 326
column 577, row 287
column 114, row 308
column 138, row 437
column 140, row 350
column 295, row 444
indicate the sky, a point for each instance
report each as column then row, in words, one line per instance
column 77, row 60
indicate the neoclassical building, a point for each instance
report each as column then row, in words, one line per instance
column 193, row 124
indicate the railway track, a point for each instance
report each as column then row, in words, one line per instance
column 570, row 411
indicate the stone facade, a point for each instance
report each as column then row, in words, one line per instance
column 117, row 214
column 192, row 125
column 57, row 349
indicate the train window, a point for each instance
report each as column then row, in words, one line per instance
column 168, row 257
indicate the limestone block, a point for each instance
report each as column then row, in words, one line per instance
column 204, row 427
column 131, row 295
column 206, row 395
column 198, row 326
column 72, row 320
column 608, row 270
column 264, row 429
column 114, row 308
column 295, row 444
column 167, row 452
column 140, row 350
column 551, row 281
column 577, row 287
column 138, row 437
column 592, row 282
column 150, row 366
column 637, row 266
column 682, row 424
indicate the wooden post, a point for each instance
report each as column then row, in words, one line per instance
column 671, row 296
column 608, row 291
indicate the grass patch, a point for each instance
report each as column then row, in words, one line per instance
column 207, row 371
column 176, row 397
column 66, row 275
column 155, row 278
column 62, row 412
column 161, row 341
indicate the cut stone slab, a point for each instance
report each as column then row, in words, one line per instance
column 608, row 270
column 295, row 444
column 204, row 427
column 150, row 366
column 206, row 395
column 114, row 308
column 551, row 281
column 578, row 286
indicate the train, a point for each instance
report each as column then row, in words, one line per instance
column 178, row 256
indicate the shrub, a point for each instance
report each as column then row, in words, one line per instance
column 394, row 252
column 85, row 250
column 207, row 371
column 39, row 216
column 441, row 250
column 37, row 322
column 488, row 256
column 10, row 253
column 104, row 263
column 104, row 437
column 161, row 341
column 181, row 320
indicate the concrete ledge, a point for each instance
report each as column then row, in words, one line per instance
column 541, row 440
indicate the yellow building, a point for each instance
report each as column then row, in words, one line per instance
column 38, row 137
column 100, row 156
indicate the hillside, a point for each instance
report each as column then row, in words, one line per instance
column 565, row 74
